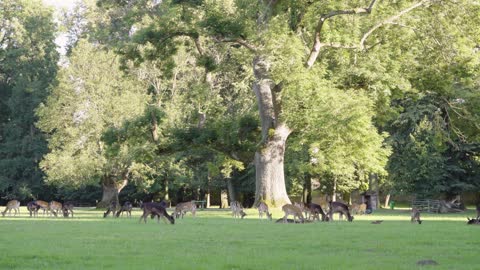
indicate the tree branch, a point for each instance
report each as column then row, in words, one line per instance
column 239, row 41
column 317, row 45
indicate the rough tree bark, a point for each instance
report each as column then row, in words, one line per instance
column 111, row 189
column 269, row 158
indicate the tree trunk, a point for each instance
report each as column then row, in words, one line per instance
column 307, row 190
column 387, row 200
column 270, row 179
column 111, row 189
column 166, row 197
column 231, row 191
column 334, row 193
column 223, row 199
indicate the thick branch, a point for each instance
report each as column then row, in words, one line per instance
column 239, row 41
column 317, row 45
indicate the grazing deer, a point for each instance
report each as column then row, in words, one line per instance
column 263, row 209
column 182, row 208
column 359, row 209
column 156, row 209
column 33, row 208
column 12, row 205
column 315, row 210
column 473, row 221
column 43, row 205
column 338, row 207
column 127, row 208
column 67, row 209
column 112, row 208
column 55, row 207
column 415, row 216
column 237, row 210
column 290, row 209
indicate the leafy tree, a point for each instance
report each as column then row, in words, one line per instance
column 28, row 65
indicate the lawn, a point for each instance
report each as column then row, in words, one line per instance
column 214, row 240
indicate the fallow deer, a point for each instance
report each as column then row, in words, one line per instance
column 43, row 205
column 33, row 208
column 127, row 208
column 359, row 209
column 12, row 205
column 338, row 207
column 263, row 209
column 293, row 210
column 415, row 216
column 182, row 208
column 237, row 210
column 156, row 209
column 67, row 209
column 112, row 208
column 315, row 210
column 55, row 207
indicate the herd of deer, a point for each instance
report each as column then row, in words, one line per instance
column 33, row 207
column 312, row 211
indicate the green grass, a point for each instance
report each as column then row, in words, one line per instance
column 214, row 240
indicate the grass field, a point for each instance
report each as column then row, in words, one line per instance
column 214, row 240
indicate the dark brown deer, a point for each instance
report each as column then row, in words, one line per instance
column 315, row 210
column 415, row 216
column 182, row 208
column 237, row 210
column 55, row 207
column 293, row 210
column 67, row 209
column 157, row 209
column 112, row 208
column 263, row 209
column 43, row 205
column 33, row 208
column 338, row 207
column 127, row 208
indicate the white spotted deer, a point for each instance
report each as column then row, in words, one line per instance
column 55, row 207
column 293, row 210
column 263, row 209
column 359, row 209
column 237, row 210
column 12, row 205
column 43, row 205
column 182, row 208
column 127, row 208
column 151, row 208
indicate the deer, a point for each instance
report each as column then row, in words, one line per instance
column 338, row 207
column 43, row 205
column 127, row 208
column 156, row 209
column 55, row 207
column 360, row 209
column 263, row 209
column 112, row 208
column 33, row 208
column 293, row 210
column 473, row 221
column 415, row 216
column 67, row 209
column 12, row 205
column 315, row 210
column 182, row 208
column 237, row 210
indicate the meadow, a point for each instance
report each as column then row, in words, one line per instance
column 214, row 240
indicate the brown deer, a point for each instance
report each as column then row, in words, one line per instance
column 12, row 205
column 263, row 209
column 237, row 210
column 415, row 216
column 127, row 208
column 182, row 208
column 43, row 205
column 338, row 207
column 157, row 209
column 112, row 208
column 315, row 210
column 67, row 209
column 55, row 207
column 33, row 208
column 293, row 210
column 359, row 209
